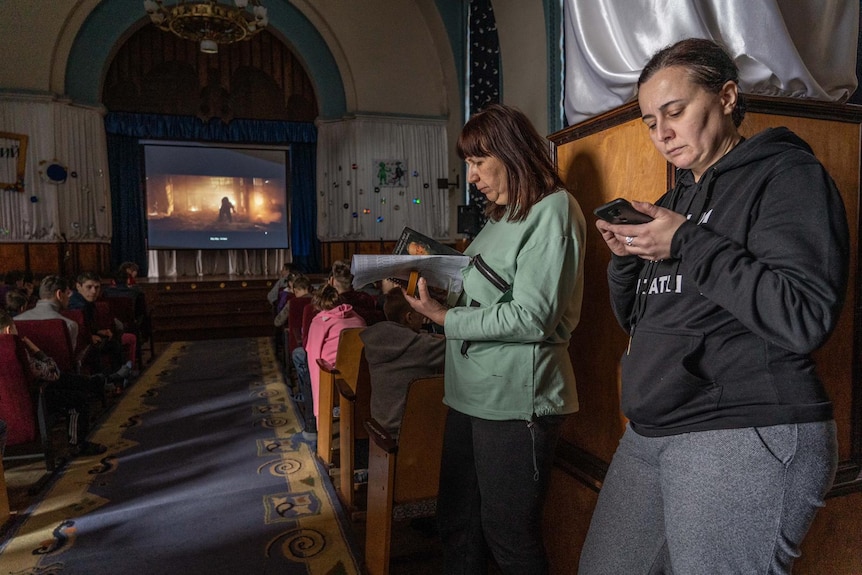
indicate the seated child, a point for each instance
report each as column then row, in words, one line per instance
column 397, row 353
column 300, row 286
column 323, row 334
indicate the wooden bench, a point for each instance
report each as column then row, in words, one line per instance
column 347, row 361
column 405, row 473
column 354, row 389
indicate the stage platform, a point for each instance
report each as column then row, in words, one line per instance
column 208, row 307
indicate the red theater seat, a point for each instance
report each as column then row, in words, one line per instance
column 52, row 337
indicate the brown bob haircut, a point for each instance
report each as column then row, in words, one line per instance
column 508, row 135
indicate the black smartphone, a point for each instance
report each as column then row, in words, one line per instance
column 620, row 211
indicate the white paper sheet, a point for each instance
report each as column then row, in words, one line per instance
column 440, row 271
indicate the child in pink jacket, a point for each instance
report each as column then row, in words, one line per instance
column 323, row 334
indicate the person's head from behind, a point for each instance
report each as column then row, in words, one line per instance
column 690, row 102
column 396, row 308
column 508, row 161
column 55, row 288
column 14, row 278
column 16, row 301
column 89, row 285
column 326, row 298
column 341, row 278
column 7, row 325
column 29, row 287
column 287, row 270
column 125, row 271
column 301, row 285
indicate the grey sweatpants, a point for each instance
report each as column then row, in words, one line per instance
column 710, row 502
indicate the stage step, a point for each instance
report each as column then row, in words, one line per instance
column 209, row 308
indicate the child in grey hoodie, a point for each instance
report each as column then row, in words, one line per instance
column 398, row 352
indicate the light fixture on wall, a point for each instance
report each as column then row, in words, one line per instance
column 207, row 21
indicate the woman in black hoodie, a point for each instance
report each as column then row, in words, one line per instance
column 739, row 277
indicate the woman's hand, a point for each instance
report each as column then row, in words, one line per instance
column 650, row 241
column 427, row 305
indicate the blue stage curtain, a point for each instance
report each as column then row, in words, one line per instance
column 124, row 130
column 128, row 240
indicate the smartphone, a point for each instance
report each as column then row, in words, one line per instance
column 620, row 211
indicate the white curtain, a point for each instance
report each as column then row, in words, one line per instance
column 352, row 206
column 78, row 209
column 790, row 48
column 194, row 263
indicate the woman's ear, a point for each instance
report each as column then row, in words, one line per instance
column 728, row 96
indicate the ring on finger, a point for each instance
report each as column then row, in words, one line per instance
column 629, row 240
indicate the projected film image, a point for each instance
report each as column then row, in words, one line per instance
column 218, row 199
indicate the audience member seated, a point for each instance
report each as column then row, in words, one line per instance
column 107, row 341
column 127, row 274
column 124, row 287
column 300, row 286
column 64, row 392
column 398, row 351
column 16, row 301
column 363, row 303
column 285, row 275
column 54, row 294
column 30, row 289
column 333, row 317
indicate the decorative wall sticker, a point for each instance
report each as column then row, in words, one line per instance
column 53, row 172
column 390, row 173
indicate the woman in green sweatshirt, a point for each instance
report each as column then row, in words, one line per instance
column 509, row 378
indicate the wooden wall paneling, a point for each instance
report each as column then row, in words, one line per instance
column 606, row 159
column 836, row 142
column 13, row 256
column 46, row 259
column 89, row 257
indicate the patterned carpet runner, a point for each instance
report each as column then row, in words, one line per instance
column 206, row 473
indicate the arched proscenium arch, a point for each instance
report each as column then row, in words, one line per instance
column 108, row 22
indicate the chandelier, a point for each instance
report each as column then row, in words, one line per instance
column 208, row 21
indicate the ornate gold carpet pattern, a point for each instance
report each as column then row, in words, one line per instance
column 206, row 472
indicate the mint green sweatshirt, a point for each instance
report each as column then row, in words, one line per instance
column 517, row 364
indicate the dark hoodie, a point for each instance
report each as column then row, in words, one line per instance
column 722, row 331
column 396, row 356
